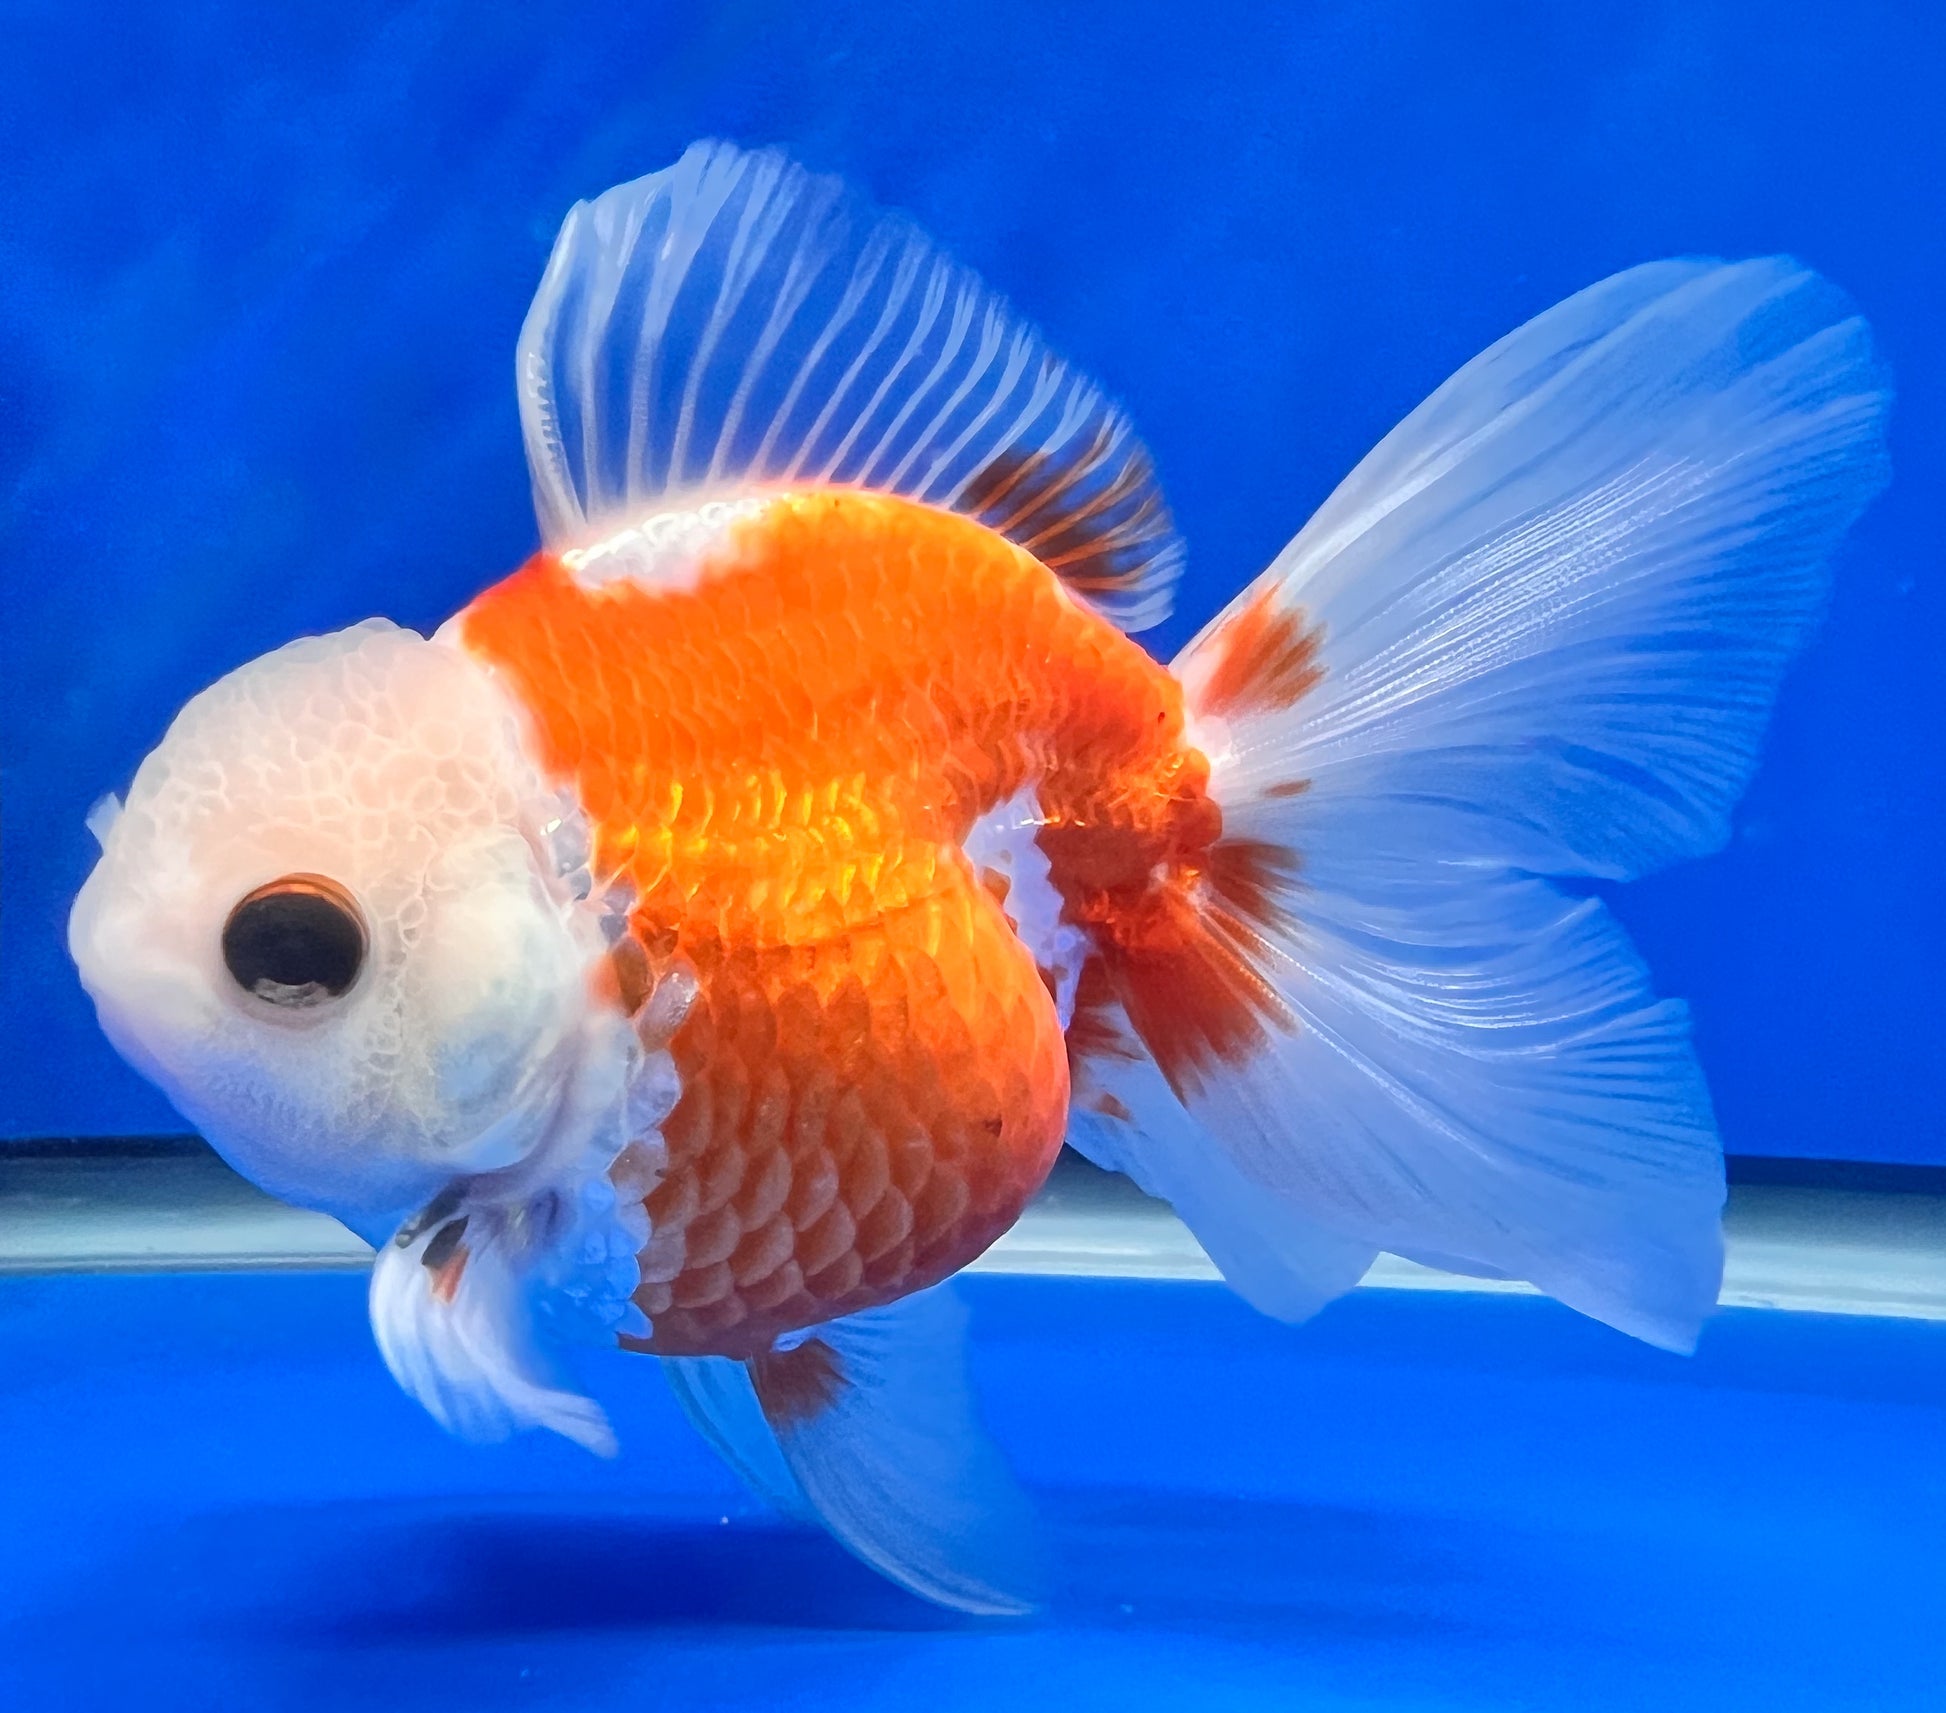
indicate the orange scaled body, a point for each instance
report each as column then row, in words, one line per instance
column 783, row 759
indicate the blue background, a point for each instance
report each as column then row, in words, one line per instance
column 261, row 270
column 215, row 1499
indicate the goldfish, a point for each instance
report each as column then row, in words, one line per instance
column 704, row 942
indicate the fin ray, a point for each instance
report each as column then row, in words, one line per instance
column 868, row 1426
column 1537, row 632
column 1128, row 1119
column 1555, row 603
column 735, row 323
column 720, row 1399
column 899, row 1468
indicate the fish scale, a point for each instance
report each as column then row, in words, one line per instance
column 783, row 760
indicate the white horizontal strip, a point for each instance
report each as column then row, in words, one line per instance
column 1809, row 1251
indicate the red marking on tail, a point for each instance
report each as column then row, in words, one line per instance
column 1189, row 981
column 1267, row 659
column 1183, row 962
column 1184, row 950
column 1093, row 1031
column 796, row 1385
column 1250, row 876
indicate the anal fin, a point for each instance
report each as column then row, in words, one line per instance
column 869, row 1426
column 719, row 1396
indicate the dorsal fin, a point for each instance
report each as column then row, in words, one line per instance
column 735, row 322
column 1093, row 514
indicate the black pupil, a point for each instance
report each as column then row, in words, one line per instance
column 294, row 944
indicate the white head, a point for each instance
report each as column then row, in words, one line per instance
column 332, row 925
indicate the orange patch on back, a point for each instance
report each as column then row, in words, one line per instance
column 778, row 758
column 795, row 1386
column 1267, row 659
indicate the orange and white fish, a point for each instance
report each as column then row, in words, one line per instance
column 705, row 941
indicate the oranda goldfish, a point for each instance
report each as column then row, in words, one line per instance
column 705, row 941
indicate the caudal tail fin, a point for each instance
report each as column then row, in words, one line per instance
column 1536, row 633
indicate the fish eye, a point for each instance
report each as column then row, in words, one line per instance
column 295, row 942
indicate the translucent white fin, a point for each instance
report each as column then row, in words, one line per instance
column 1555, row 602
column 1127, row 1119
column 735, row 323
column 719, row 1398
column 898, row 1465
column 450, row 1310
column 1537, row 632
column 868, row 1425
column 1476, row 1073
